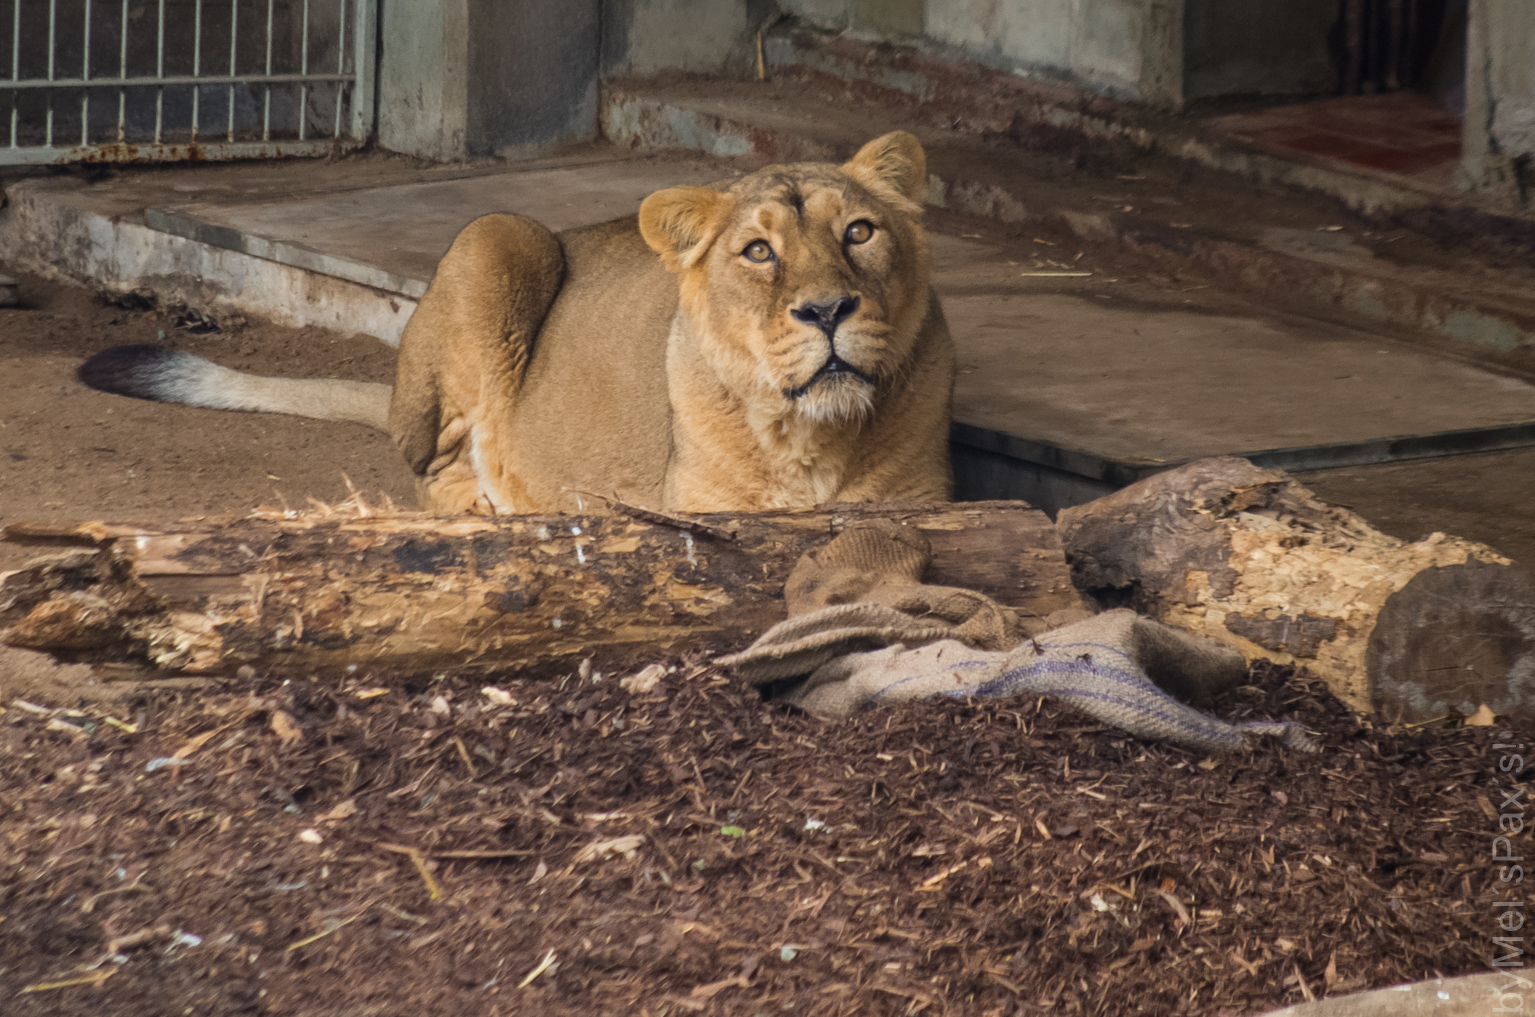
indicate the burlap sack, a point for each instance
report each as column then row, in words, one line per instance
column 864, row 629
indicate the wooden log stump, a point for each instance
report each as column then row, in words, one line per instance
column 405, row 594
column 1417, row 630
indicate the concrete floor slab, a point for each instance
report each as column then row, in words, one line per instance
column 1111, row 381
column 1488, row 497
column 391, row 238
column 96, row 230
column 1136, row 380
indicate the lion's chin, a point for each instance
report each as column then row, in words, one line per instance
column 837, row 399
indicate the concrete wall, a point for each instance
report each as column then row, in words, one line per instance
column 1258, row 47
column 466, row 78
column 461, row 78
column 536, row 69
column 829, row 14
column 1131, row 48
column 1498, row 144
column 1163, row 51
column 888, row 19
column 891, row 19
column 422, row 79
column 711, row 36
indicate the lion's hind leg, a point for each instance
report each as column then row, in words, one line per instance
column 462, row 360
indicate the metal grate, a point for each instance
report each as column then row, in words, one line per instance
column 160, row 80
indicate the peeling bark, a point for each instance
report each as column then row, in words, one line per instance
column 404, row 594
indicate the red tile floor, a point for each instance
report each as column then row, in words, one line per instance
column 1406, row 133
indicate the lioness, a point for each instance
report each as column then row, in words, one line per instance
column 784, row 350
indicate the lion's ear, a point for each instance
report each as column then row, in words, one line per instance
column 896, row 161
column 679, row 222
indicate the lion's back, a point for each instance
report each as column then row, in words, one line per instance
column 594, row 413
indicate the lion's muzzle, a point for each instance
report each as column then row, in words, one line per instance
column 826, row 315
column 835, row 368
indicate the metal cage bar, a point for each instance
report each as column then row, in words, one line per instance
column 15, row 62
column 122, row 74
column 340, row 61
column 160, row 74
column 85, row 72
column 197, row 64
column 266, row 107
column 53, row 17
column 335, row 34
column 234, row 49
column 303, row 89
column 175, row 79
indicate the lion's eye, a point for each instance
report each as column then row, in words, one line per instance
column 859, row 232
column 759, row 251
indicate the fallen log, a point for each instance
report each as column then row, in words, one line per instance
column 405, row 594
column 1418, row 630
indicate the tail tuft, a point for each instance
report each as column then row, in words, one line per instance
column 165, row 375
column 158, row 373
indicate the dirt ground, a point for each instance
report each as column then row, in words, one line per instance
column 426, row 850
column 577, row 848
column 68, row 453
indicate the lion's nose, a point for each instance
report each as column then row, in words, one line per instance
column 825, row 315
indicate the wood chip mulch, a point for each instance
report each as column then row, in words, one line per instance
column 580, row 849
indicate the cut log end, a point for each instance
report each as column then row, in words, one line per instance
column 1455, row 638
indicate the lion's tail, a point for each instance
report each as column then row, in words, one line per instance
column 173, row 376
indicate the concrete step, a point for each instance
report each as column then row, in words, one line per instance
column 93, row 230
column 1145, row 213
column 348, row 245
column 390, row 238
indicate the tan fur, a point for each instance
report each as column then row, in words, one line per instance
column 539, row 366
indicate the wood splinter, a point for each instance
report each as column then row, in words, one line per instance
column 659, row 518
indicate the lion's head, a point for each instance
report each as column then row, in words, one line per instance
column 806, row 284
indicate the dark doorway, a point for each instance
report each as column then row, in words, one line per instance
column 1398, row 95
column 1386, row 45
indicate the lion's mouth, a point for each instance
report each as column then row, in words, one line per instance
column 835, row 368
